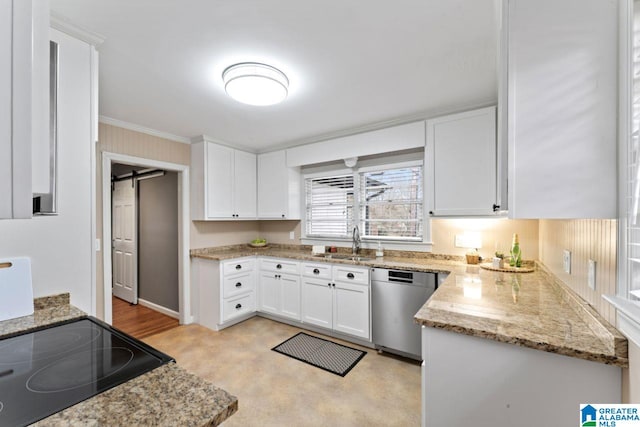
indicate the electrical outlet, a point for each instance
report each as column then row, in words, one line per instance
column 566, row 261
column 591, row 275
column 292, row 235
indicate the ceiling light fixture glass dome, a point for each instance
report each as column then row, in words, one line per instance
column 255, row 84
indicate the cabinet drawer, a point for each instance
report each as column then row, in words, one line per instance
column 238, row 266
column 280, row 265
column 321, row 271
column 238, row 305
column 351, row 275
column 238, row 284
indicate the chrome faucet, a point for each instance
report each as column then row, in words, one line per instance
column 355, row 242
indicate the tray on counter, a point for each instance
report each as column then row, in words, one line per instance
column 507, row 268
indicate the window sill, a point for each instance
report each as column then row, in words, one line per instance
column 398, row 245
column 627, row 317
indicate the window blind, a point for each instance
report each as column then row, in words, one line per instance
column 391, row 203
column 329, row 206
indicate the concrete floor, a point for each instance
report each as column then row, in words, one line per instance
column 276, row 390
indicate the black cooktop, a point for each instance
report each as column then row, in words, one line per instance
column 48, row 370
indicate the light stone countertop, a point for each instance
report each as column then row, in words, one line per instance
column 534, row 310
column 165, row 396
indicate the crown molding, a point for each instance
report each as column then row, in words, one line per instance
column 132, row 126
column 206, row 138
column 424, row 115
column 64, row 24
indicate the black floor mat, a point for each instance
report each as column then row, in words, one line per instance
column 336, row 358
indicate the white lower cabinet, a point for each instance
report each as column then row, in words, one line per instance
column 331, row 296
column 225, row 291
column 340, row 302
column 279, row 283
column 238, row 288
column 467, row 378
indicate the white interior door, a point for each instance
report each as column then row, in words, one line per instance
column 124, row 233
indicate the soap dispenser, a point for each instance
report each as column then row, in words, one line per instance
column 379, row 251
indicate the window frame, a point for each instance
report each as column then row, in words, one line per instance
column 385, row 167
column 421, row 245
column 627, row 310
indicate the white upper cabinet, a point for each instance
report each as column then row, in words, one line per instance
column 23, row 77
column 561, row 95
column 278, row 187
column 223, row 182
column 461, row 152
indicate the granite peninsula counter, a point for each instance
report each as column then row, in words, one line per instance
column 165, row 396
column 532, row 310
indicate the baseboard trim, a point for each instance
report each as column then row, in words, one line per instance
column 159, row 308
column 313, row 328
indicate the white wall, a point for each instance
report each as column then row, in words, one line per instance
column 60, row 246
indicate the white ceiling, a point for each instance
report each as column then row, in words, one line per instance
column 351, row 64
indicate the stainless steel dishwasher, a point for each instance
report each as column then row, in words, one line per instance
column 396, row 296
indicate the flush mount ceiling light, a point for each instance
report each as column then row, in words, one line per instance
column 255, row 84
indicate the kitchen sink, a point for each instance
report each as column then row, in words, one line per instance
column 345, row 257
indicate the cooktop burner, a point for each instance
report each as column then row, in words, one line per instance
column 46, row 371
column 51, row 342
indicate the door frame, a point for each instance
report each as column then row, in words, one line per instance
column 184, row 215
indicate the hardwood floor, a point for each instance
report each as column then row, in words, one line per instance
column 139, row 321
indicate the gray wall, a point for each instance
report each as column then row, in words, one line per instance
column 158, row 240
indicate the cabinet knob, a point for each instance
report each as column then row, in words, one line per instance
column 496, row 208
column 238, row 267
column 333, row 284
column 329, row 284
column 430, row 212
column 279, row 266
column 316, row 271
column 282, row 215
column 238, row 306
column 350, row 276
column 238, row 285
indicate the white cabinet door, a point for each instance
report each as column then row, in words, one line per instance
column 461, row 149
column 269, row 293
column 351, row 309
column 290, row 296
column 317, row 302
column 219, row 181
column 272, row 194
column 278, row 187
column 562, row 108
column 244, row 188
